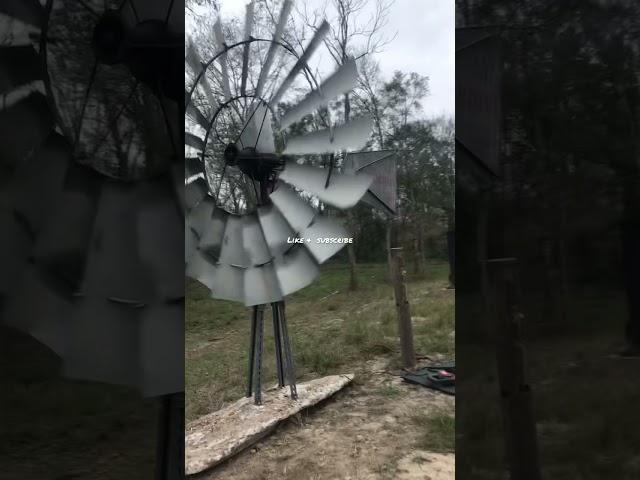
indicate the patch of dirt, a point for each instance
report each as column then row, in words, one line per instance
column 366, row 431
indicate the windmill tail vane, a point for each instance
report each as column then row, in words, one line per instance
column 236, row 237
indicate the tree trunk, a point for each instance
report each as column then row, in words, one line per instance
column 351, row 253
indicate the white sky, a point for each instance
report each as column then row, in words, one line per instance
column 424, row 44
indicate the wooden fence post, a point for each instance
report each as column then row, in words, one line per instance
column 517, row 401
column 402, row 307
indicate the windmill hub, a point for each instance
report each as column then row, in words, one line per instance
column 258, row 166
column 109, row 37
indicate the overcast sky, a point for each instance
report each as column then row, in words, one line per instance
column 424, row 44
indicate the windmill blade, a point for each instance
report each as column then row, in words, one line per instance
column 27, row 11
column 27, row 124
column 226, row 282
column 296, row 211
column 194, row 141
column 162, row 349
column 18, row 66
column 344, row 190
column 196, row 114
column 349, row 136
column 195, row 192
column 282, row 21
column 44, row 319
column 315, row 42
column 275, row 229
column 323, row 228
column 159, row 224
column 295, row 270
column 200, row 216
column 190, row 244
column 193, row 166
column 43, row 174
column 232, row 251
column 197, row 66
column 62, row 245
column 343, row 80
column 212, row 236
column 248, row 23
column 222, row 59
column 95, row 349
column 261, row 285
column 254, row 243
column 114, row 267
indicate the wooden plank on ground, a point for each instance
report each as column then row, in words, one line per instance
column 217, row 436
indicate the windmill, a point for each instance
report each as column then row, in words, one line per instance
column 243, row 182
column 90, row 199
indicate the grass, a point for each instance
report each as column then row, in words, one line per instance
column 332, row 330
column 438, row 429
column 585, row 403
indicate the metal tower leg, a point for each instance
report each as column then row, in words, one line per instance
column 289, row 363
column 277, row 335
column 257, row 384
column 170, row 438
column 252, row 350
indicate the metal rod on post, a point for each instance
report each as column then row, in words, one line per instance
column 516, row 395
column 289, row 363
column 275, row 313
column 252, row 350
column 402, row 307
column 170, row 438
column 257, row 393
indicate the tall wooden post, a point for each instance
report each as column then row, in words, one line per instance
column 402, row 306
column 516, row 396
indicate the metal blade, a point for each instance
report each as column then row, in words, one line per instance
column 18, row 66
column 222, row 59
column 297, row 212
column 62, row 245
column 342, row 81
column 27, row 11
column 198, row 218
column 282, row 21
column 232, row 251
column 114, row 265
column 321, row 229
column 190, row 244
column 96, row 350
column 295, row 270
column 254, row 242
column 228, row 283
column 162, row 349
column 27, row 124
column 261, row 285
column 248, row 23
column 349, row 136
column 213, row 234
column 44, row 174
column 225, row 281
column 344, row 190
column 159, row 225
column 197, row 116
column 195, row 192
column 45, row 319
column 315, row 42
column 194, row 141
column 275, row 229
column 193, row 166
